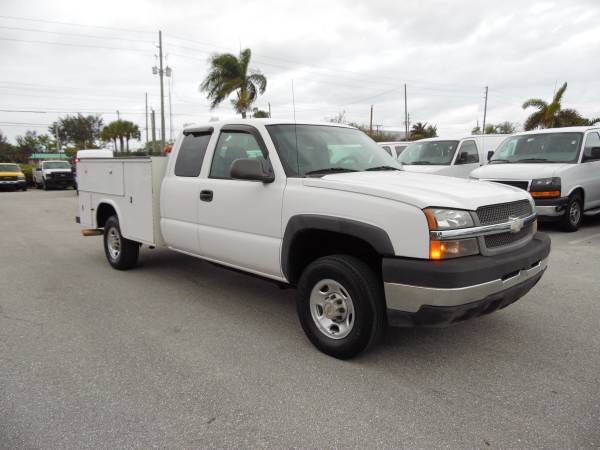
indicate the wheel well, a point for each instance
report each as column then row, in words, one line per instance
column 581, row 193
column 310, row 245
column 103, row 213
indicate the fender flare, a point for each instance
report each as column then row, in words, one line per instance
column 373, row 235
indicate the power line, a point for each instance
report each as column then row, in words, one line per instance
column 37, row 30
column 70, row 44
column 73, row 24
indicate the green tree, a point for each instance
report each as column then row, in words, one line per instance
column 547, row 114
column 81, row 131
column 229, row 74
column 259, row 113
column 501, row 128
column 421, row 130
column 7, row 150
column 123, row 130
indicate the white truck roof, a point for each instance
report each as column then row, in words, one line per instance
column 220, row 123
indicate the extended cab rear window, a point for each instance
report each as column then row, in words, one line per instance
column 191, row 154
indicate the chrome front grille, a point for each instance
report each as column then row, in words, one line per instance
column 500, row 213
column 8, row 178
column 494, row 241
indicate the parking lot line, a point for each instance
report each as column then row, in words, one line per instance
column 579, row 241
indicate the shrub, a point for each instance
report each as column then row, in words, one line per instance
column 27, row 170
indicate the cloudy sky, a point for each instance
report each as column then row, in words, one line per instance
column 86, row 56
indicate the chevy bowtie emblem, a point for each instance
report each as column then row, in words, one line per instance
column 516, row 224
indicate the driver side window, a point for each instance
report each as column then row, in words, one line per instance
column 591, row 151
column 233, row 145
column 468, row 153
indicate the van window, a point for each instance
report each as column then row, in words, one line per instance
column 191, row 153
column 560, row 147
column 399, row 149
column 233, row 145
column 468, row 153
column 592, row 140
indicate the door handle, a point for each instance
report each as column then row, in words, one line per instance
column 206, row 196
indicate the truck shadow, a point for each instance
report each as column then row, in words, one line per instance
column 255, row 302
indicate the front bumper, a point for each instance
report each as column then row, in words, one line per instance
column 549, row 208
column 13, row 183
column 423, row 292
column 60, row 182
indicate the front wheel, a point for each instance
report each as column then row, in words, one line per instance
column 122, row 254
column 340, row 305
column 44, row 185
column 573, row 214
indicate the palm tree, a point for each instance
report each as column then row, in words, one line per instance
column 109, row 133
column 547, row 114
column 229, row 74
column 130, row 131
column 421, row 130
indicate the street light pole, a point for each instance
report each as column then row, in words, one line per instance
column 162, row 93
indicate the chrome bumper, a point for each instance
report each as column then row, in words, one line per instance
column 409, row 298
column 549, row 211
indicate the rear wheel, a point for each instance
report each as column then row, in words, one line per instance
column 573, row 213
column 121, row 253
column 340, row 305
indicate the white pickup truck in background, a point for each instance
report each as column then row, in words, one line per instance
column 53, row 174
column 450, row 157
column 322, row 208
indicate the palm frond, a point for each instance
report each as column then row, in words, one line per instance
column 535, row 102
column 535, row 120
column 558, row 95
column 259, row 80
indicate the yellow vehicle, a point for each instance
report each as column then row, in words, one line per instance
column 11, row 176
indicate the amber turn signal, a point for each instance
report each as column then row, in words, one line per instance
column 545, row 194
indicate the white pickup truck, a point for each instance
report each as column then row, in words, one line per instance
column 322, row 208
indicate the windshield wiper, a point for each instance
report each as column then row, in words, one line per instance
column 531, row 160
column 382, row 168
column 418, row 163
column 499, row 160
column 329, row 170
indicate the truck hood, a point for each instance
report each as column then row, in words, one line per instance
column 525, row 172
column 421, row 190
column 11, row 174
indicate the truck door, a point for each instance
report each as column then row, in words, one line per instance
column 180, row 191
column 239, row 221
column 466, row 159
column 589, row 170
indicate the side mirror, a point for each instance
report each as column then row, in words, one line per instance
column 251, row 169
column 490, row 154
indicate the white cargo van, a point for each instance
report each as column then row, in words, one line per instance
column 560, row 167
column 450, row 157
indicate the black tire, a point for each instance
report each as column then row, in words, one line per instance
column 573, row 215
column 24, row 188
column 44, row 185
column 367, row 301
column 128, row 251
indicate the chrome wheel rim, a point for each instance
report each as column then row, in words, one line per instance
column 113, row 243
column 574, row 213
column 331, row 309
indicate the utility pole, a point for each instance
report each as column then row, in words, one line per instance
column 405, row 115
column 371, row 122
column 146, row 117
column 118, row 115
column 484, row 110
column 162, row 92
column 170, row 115
column 153, row 119
column 269, row 103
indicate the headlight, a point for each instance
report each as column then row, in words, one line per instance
column 447, row 219
column 545, row 188
column 440, row 219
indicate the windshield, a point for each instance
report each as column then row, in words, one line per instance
column 9, row 168
column 429, row 152
column 56, row 165
column 318, row 149
column 544, row 147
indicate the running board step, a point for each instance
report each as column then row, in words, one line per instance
column 592, row 212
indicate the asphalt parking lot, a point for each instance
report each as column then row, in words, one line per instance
column 180, row 353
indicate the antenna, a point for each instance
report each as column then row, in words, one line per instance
column 293, row 101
